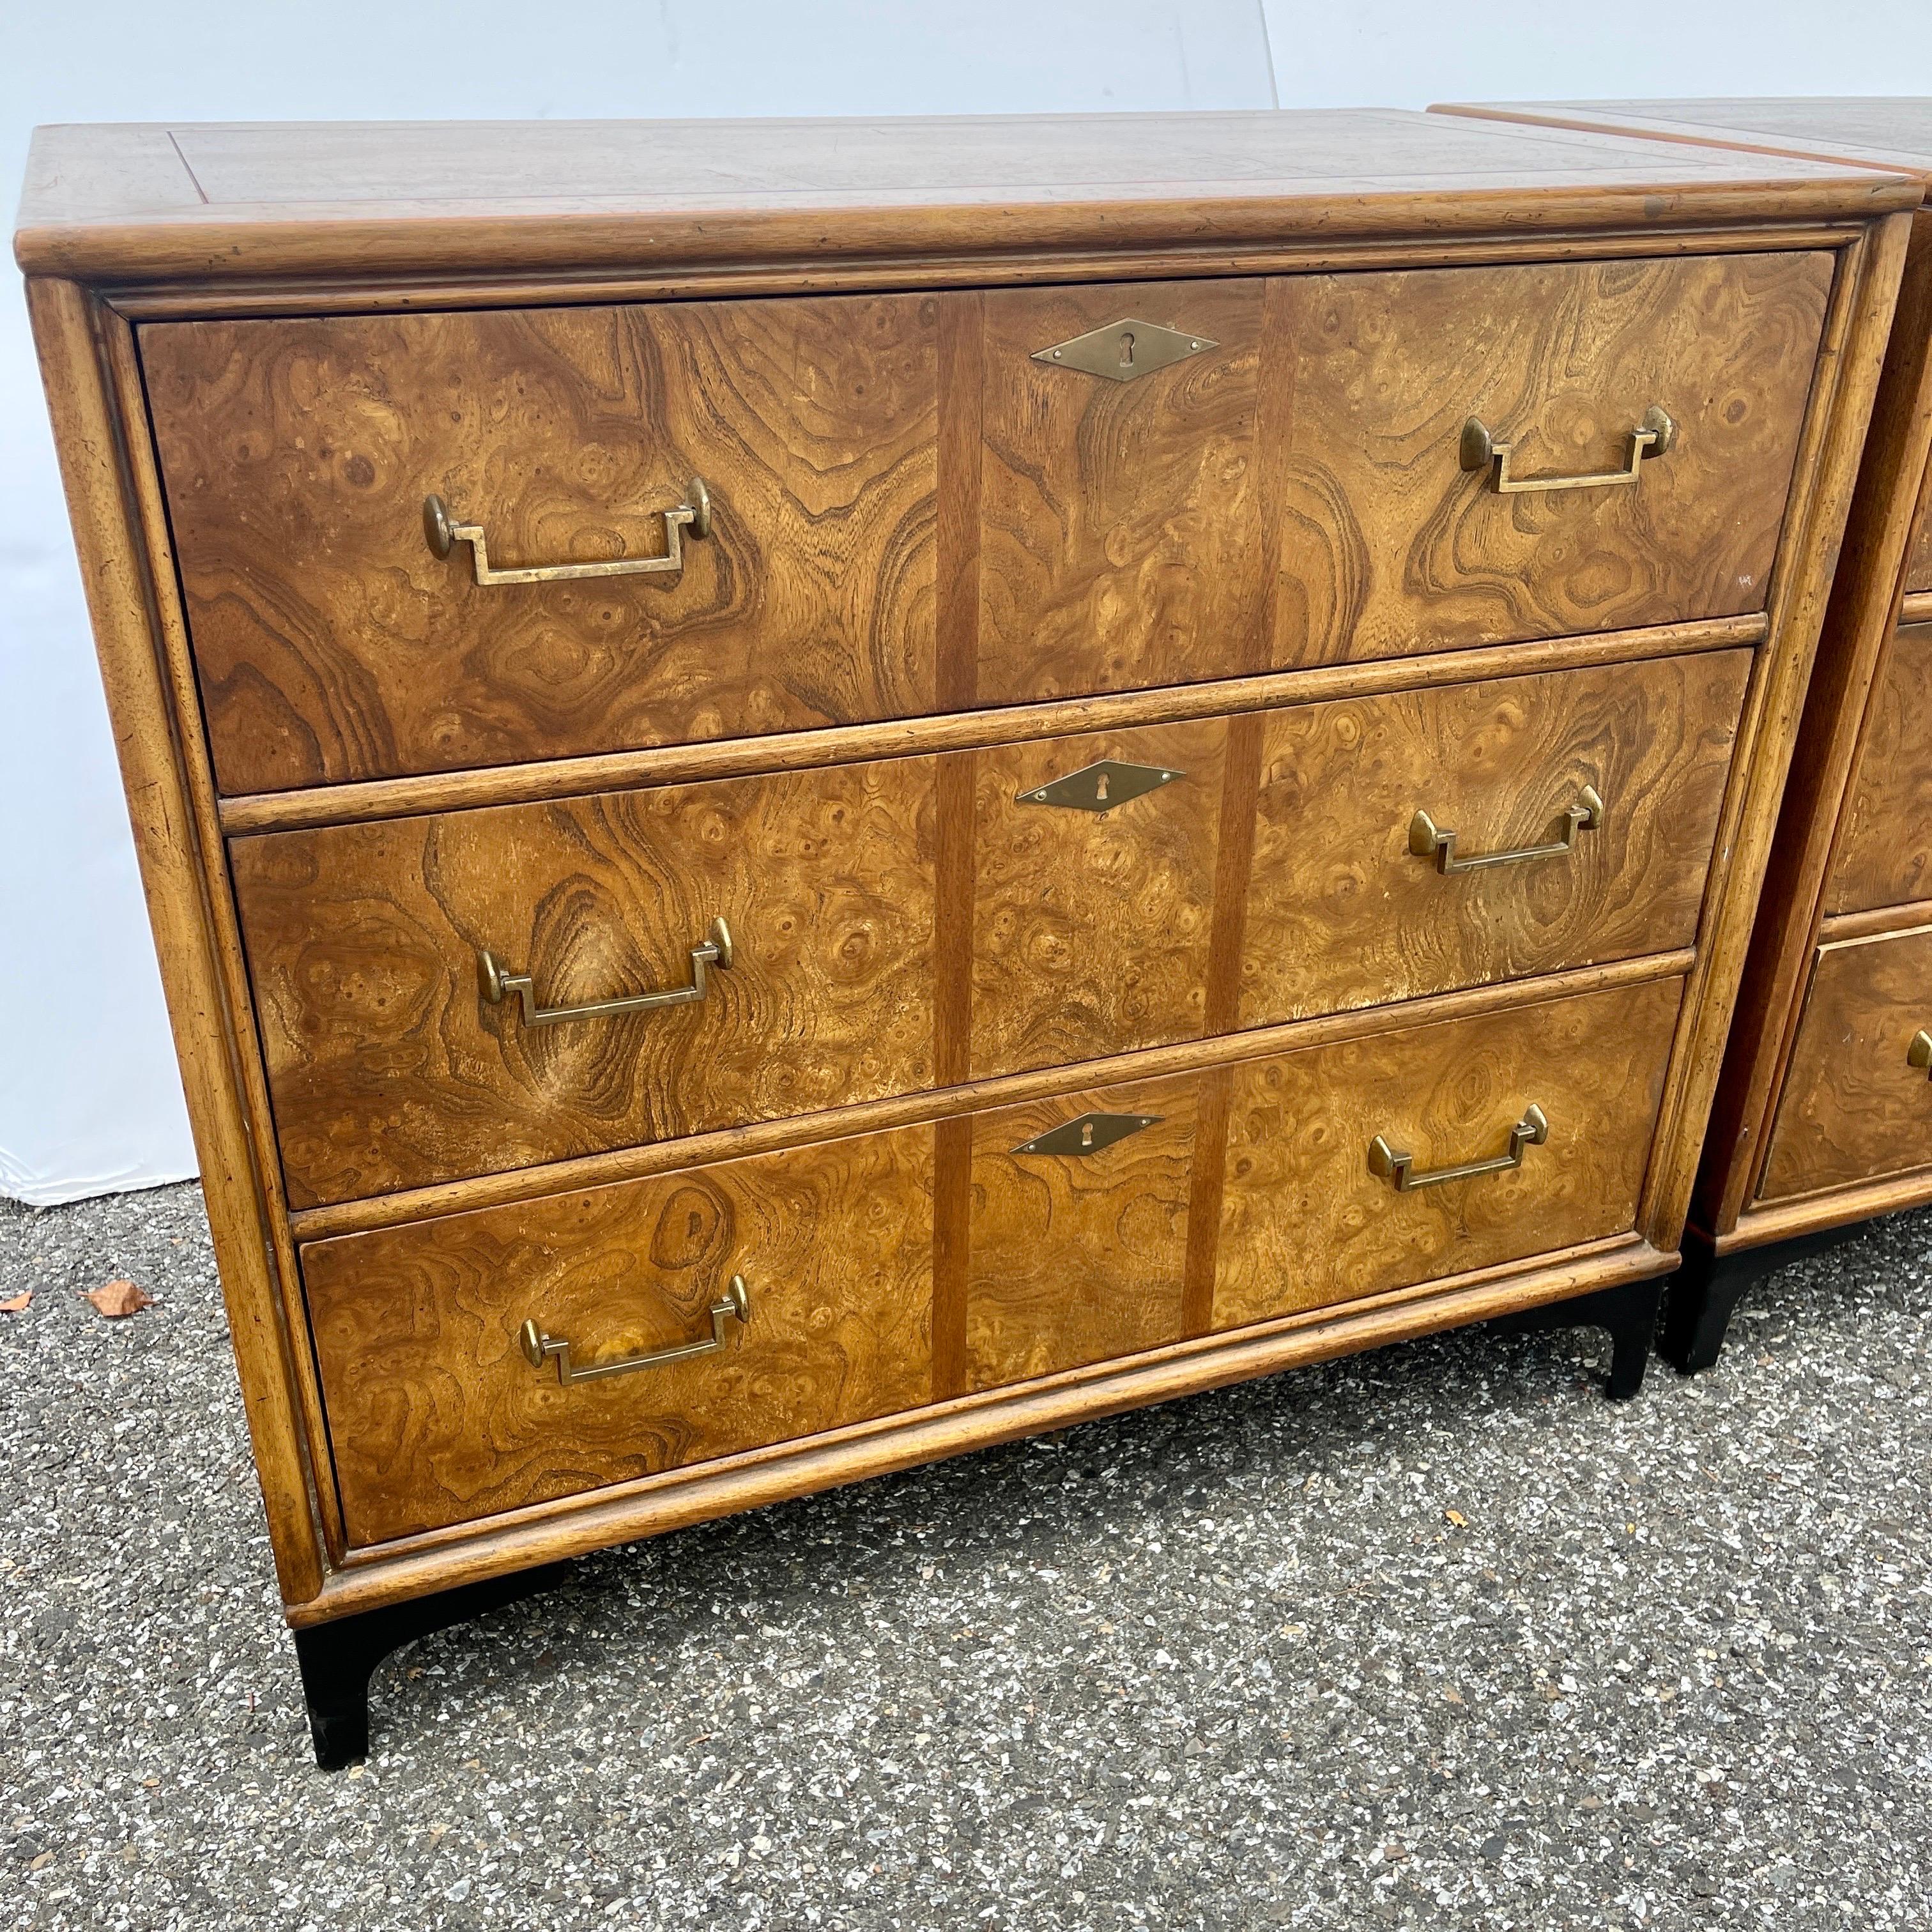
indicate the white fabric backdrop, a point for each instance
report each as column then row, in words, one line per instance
column 89, row 1100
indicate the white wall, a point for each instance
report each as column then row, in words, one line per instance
column 88, row 1096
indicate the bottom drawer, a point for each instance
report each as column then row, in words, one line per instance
column 1854, row 1107
column 486, row 1360
column 437, row 1415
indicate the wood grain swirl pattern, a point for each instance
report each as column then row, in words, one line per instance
column 1091, row 930
column 1078, row 1257
column 334, row 645
column 1390, row 547
column 1884, row 853
column 437, row 1416
column 1851, row 1109
column 1304, row 1223
column 387, row 1068
column 1340, row 912
column 1120, row 544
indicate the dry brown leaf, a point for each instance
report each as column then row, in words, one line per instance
column 17, row 1304
column 116, row 1298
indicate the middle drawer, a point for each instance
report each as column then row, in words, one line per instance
column 471, row 991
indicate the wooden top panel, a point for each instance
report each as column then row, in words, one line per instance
column 136, row 202
column 1893, row 133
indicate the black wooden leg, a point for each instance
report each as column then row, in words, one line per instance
column 1706, row 1289
column 1629, row 1314
column 337, row 1659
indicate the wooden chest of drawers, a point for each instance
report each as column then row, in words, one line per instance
column 1823, row 1115
column 797, row 823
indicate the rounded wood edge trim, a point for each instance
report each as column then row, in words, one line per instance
column 1845, row 929
column 245, row 815
column 338, row 1218
column 197, row 246
column 828, row 275
column 591, row 1523
column 1768, row 1221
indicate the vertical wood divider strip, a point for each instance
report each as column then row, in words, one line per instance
column 961, row 372
column 962, row 335
column 1233, row 860
column 1274, row 423
column 1204, row 1201
column 952, row 1251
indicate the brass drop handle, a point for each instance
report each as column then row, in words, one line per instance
column 1480, row 451
column 499, row 983
column 1919, row 1053
column 734, row 1304
column 1398, row 1167
column 1427, row 840
column 693, row 514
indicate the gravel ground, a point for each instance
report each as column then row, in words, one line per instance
column 1433, row 1637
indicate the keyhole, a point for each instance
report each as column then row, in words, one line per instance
column 1100, row 789
column 1126, row 349
column 1086, row 1133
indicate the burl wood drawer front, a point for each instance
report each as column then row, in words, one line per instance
column 1093, row 917
column 1583, row 806
column 1123, row 540
column 1857, row 1102
column 438, row 1413
column 1389, row 545
column 389, row 1066
column 1079, row 1253
column 1306, row 1220
column 1298, row 488
column 1082, row 1234
column 334, row 643
column 1884, row 855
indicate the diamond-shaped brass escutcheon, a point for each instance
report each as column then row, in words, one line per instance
column 1088, row 1134
column 1122, row 350
column 1102, row 787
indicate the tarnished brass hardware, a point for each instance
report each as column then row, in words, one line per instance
column 1480, row 450
column 1122, row 350
column 734, row 1304
column 1391, row 1164
column 693, row 514
column 1088, row 1134
column 1427, row 840
column 1102, row 787
column 1919, row 1053
column 499, row 983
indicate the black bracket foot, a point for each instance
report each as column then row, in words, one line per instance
column 1629, row 1314
column 1706, row 1289
column 338, row 1658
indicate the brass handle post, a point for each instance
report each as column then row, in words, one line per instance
column 1397, row 1166
column 1428, row 840
column 500, row 982
column 1480, row 450
column 734, row 1304
column 693, row 514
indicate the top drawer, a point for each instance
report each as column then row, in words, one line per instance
column 1292, row 478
